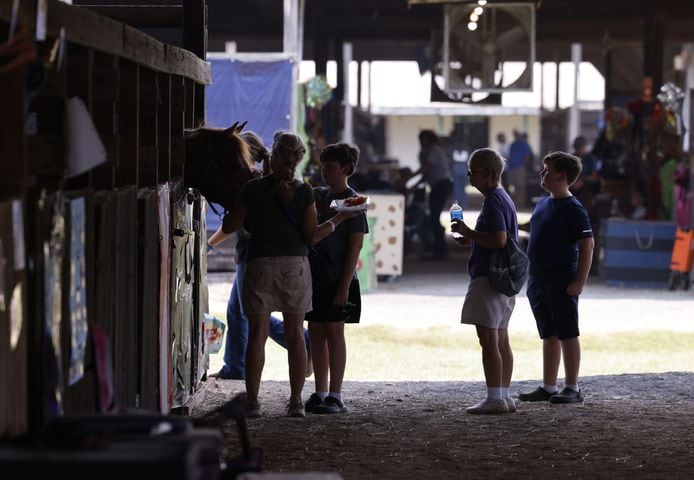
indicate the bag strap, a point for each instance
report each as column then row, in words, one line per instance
column 289, row 214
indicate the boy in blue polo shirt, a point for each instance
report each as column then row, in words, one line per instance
column 560, row 251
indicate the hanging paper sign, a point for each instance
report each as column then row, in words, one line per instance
column 16, row 316
column 3, row 262
column 52, row 288
column 18, row 234
column 13, row 21
column 78, row 290
column 84, row 147
column 61, row 50
column 41, row 15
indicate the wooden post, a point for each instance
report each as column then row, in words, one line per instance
column 178, row 109
column 195, row 40
column 359, row 84
column 105, row 94
column 128, row 124
column 79, row 84
column 149, row 104
column 190, row 104
column 608, row 78
column 164, row 128
column 653, row 48
column 320, row 45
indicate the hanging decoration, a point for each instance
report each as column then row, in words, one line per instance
column 671, row 96
column 318, row 92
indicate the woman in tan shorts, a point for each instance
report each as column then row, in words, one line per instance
column 280, row 214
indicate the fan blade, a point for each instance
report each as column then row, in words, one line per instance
column 511, row 37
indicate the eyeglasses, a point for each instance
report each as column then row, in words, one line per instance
column 470, row 170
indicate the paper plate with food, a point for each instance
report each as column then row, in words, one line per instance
column 351, row 204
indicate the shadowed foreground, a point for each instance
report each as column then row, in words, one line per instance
column 631, row 426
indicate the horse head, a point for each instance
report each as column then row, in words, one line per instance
column 218, row 163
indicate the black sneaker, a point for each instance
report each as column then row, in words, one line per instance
column 312, row 402
column 567, row 396
column 537, row 395
column 330, row 405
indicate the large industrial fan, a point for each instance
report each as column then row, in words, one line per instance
column 488, row 48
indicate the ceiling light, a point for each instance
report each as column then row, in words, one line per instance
column 472, row 26
column 478, row 11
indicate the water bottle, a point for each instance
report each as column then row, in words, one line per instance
column 456, row 215
column 456, row 211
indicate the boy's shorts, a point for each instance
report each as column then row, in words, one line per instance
column 556, row 312
column 324, row 311
column 486, row 307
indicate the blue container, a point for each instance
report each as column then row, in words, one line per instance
column 637, row 253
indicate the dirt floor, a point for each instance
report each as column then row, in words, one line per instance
column 631, row 426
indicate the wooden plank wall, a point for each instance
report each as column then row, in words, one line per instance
column 141, row 95
column 125, row 340
column 105, row 261
column 148, row 306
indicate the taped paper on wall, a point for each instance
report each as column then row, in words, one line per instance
column 84, row 147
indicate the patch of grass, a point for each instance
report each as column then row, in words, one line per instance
column 449, row 353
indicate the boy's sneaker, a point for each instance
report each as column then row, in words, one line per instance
column 252, row 409
column 296, row 409
column 537, row 395
column 510, row 404
column 488, row 407
column 312, row 402
column 567, row 395
column 330, row 405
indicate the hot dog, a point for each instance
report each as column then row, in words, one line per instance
column 354, row 201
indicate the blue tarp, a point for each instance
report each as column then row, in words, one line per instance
column 258, row 91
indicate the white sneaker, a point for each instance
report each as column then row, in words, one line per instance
column 511, row 404
column 488, row 407
column 296, row 410
column 252, row 409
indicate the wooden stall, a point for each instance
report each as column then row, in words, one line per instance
column 101, row 273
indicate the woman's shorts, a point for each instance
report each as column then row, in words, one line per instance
column 277, row 284
column 485, row 306
column 324, row 311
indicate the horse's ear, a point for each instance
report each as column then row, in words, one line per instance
column 231, row 130
column 241, row 127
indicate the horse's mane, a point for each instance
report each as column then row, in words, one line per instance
column 218, row 163
column 237, row 143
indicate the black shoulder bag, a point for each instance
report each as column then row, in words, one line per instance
column 508, row 268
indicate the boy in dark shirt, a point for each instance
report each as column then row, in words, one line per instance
column 560, row 252
column 336, row 296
